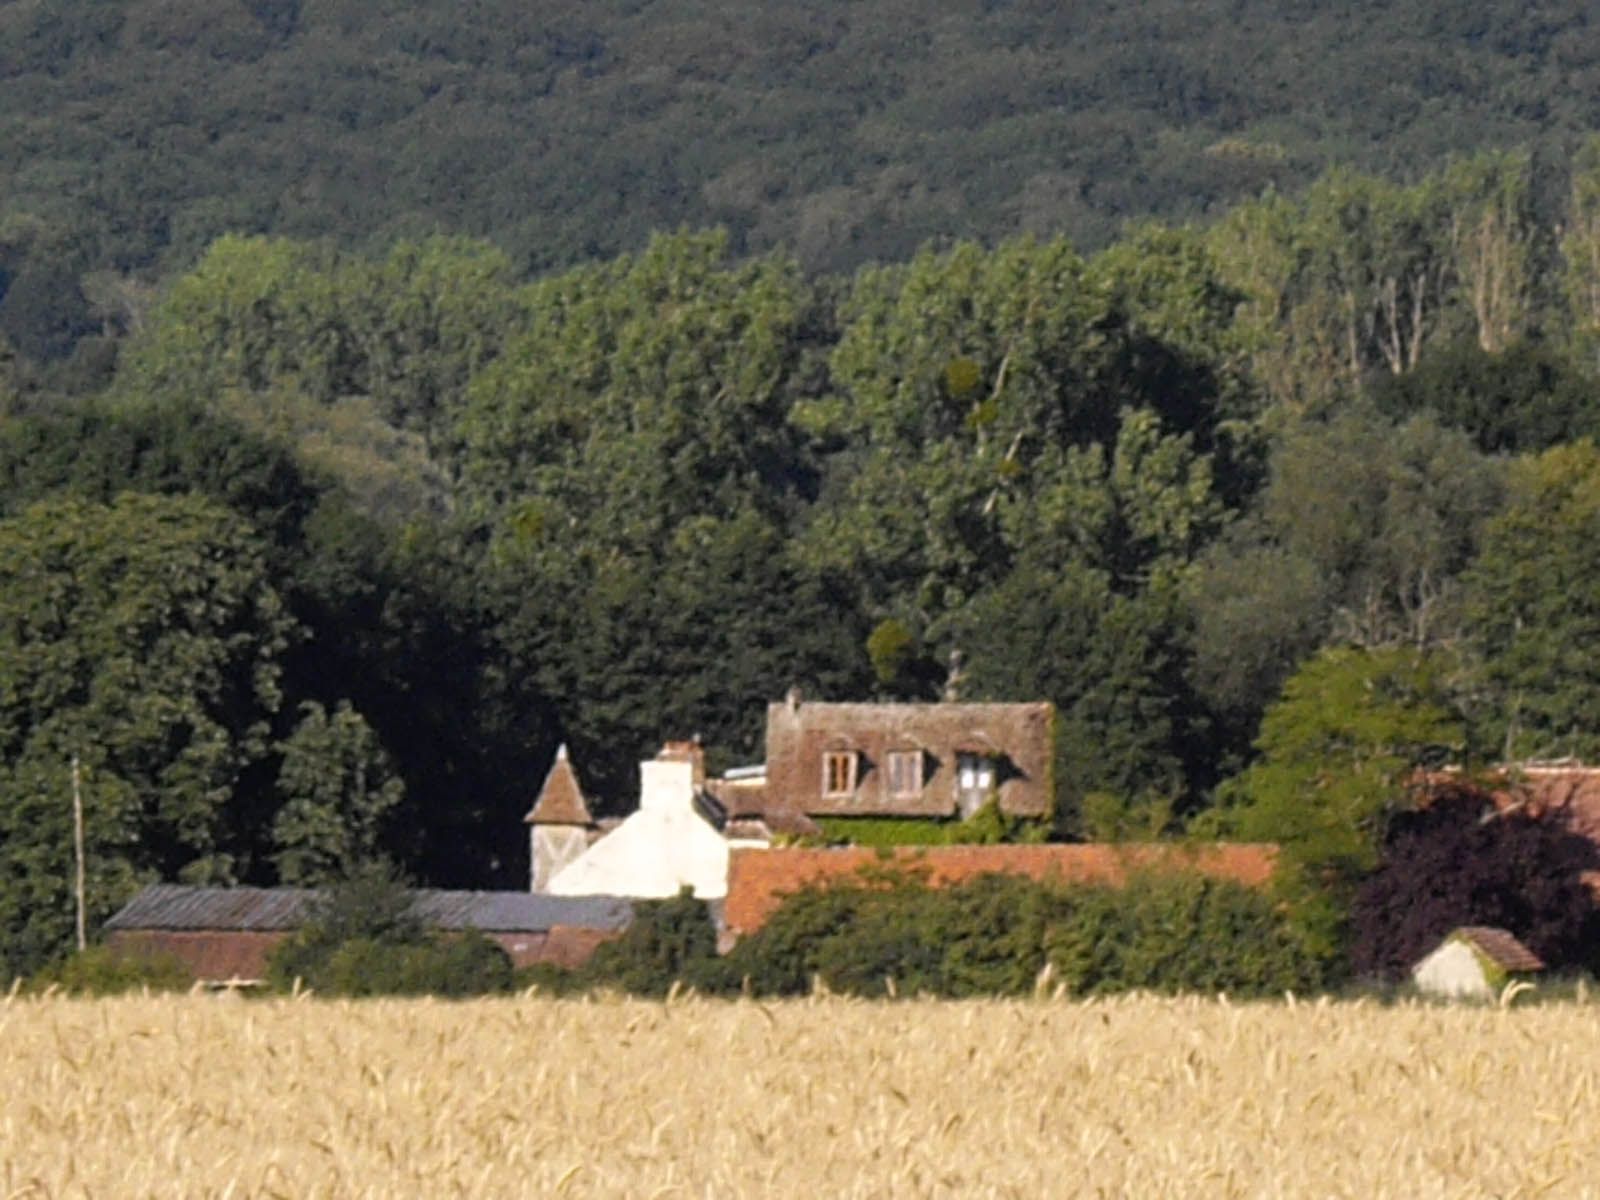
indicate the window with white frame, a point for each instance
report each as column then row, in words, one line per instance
column 838, row 772
column 975, row 781
column 905, row 772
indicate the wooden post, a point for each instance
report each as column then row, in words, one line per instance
column 77, row 843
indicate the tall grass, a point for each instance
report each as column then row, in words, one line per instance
column 525, row 1096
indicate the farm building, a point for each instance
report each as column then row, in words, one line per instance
column 227, row 933
column 1474, row 961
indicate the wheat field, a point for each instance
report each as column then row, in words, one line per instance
column 820, row 1098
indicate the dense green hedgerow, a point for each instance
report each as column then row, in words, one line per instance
column 996, row 935
column 887, row 934
column 363, row 939
column 105, row 971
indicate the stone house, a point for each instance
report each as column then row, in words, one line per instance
column 930, row 761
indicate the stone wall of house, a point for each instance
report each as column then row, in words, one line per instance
column 759, row 879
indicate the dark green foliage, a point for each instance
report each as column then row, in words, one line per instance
column 668, row 942
column 1182, row 933
column 95, row 450
column 821, row 126
column 140, row 638
column 1533, row 607
column 336, row 788
column 988, row 826
column 995, row 935
column 1525, row 398
column 373, row 904
column 1458, row 862
column 453, row 964
column 635, row 481
column 361, row 938
column 103, row 971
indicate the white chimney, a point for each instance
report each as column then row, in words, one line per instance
column 667, row 785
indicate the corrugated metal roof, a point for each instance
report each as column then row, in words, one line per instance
column 521, row 910
column 174, row 906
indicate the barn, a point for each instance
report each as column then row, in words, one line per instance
column 225, row 934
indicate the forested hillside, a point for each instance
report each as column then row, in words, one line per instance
column 330, row 503
column 135, row 132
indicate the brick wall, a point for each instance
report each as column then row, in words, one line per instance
column 209, row 954
column 759, row 879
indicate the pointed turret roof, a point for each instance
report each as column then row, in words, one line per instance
column 560, row 800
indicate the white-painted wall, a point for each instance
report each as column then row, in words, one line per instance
column 665, row 845
column 1452, row 970
column 552, row 847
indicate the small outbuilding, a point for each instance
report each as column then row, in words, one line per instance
column 1475, row 961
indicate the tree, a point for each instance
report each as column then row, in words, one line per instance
column 1336, row 753
column 1524, row 397
column 1110, row 662
column 628, row 465
column 1580, row 254
column 1490, row 233
column 1533, row 607
column 141, row 637
column 1458, row 861
column 261, row 315
column 95, row 451
column 1359, row 537
column 336, row 786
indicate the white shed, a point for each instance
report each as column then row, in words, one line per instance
column 1474, row 961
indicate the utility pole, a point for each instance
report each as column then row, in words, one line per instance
column 77, row 842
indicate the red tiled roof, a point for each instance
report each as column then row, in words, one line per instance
column 758, row 880
column 1569, row 791
column 560, row 799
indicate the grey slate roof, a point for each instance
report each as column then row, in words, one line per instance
column 175, row 906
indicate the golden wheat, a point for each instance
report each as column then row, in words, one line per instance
column 531, row 1097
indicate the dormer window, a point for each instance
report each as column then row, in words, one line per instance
column 905, row 773
column 839, row 772
column 975, row 781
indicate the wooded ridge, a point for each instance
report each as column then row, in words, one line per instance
column 315, row 543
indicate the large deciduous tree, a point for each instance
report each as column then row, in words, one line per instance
column 629, row 462
column 1532, row 597
column 1359, row 537
column 1336, row 752
column 140, row 638
column 337, row 785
